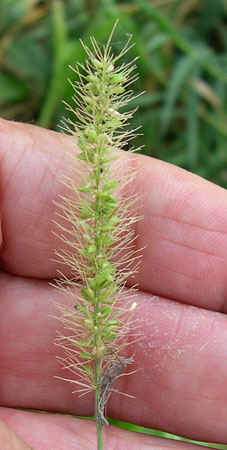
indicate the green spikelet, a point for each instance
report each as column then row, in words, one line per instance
column 100, row 236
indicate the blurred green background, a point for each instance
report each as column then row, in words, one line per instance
column 182, row 67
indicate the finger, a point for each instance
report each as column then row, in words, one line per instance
column 30, row 161
column 9, row 440
column 184, row 226
column 51, row 431
column 181, row 360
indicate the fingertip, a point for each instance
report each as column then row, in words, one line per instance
column 10, row 440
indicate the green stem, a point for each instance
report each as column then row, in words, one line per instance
column 98, row 361
column 97, row 409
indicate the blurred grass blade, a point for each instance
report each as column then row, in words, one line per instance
column 205, row 91
column 179, row 77
column 55, row 91
column 182, row 43
column 157, row 42
column 192, row 120
column 153, row 432
column 219, row 123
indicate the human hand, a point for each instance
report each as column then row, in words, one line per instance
column 182, row 353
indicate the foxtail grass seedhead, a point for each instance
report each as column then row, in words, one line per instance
column 100, row 236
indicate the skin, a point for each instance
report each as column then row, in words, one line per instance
column 180, row 386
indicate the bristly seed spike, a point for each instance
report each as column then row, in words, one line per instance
column 96, row 228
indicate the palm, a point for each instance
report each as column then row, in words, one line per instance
column 182, row 353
